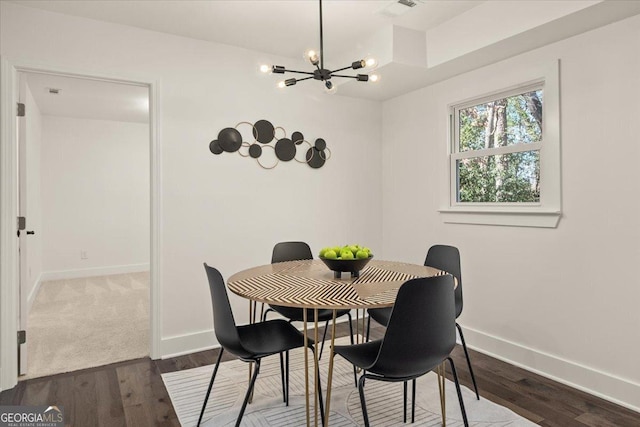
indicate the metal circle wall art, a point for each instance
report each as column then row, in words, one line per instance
column 285, row 149
column 263, row 131
column 214, row 147
column 230, row 139
column 265, row 134
column 255, row 151
column 297, row 137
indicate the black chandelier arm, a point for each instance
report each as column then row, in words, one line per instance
column 358, row 77
column 299, row 72
column 304, row 78
column 354, row 66
column 341, row 69
column 342, row 75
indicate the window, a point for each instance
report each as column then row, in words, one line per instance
column 504, row 157
column 496, row 148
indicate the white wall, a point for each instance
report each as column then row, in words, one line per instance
column 224, row 210
column 33, row 127
column 561, row 301
column 95, row 196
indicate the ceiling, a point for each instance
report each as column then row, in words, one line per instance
column 285, row 28
column 89, row 99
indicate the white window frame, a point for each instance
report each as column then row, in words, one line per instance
column 546, row 212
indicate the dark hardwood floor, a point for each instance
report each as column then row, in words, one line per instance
column 132, row 393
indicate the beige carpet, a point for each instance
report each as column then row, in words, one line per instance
column 81, row 323
column 384, row 400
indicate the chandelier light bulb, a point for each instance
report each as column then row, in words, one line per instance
column 374, row 78
column 312, row 56
column 281, row 84
column 266, row 69
column 330, row 88
column 371, row 62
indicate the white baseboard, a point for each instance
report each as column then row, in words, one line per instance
column 34, row 291
column 590, row 380
column 94, row 271
column 180, row 345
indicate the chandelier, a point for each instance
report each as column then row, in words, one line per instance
column 320, row 73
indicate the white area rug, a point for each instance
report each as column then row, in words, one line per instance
column 384, row 400
column 81, row 323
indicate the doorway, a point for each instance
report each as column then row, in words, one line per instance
column 10, row 291
column 84, row 193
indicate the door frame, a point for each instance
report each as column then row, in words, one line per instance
column 9, row 281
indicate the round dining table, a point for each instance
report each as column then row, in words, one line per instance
column 309, row 284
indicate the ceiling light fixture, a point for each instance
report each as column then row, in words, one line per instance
column 320, row 73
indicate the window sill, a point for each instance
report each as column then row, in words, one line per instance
column 517, row 217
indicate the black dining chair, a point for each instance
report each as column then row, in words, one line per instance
column 442, row 257
column 420, row 336
column 447, row 258
column 295, row 251
column 251, row 343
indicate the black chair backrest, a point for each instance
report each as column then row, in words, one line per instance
column 422, row 329
column 447, row 258
column 291, row 251
column 223, row 322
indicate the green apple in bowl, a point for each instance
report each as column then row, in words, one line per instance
column 362, row 254
column 330, row 254
column 347, row 254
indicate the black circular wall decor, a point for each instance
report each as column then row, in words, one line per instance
column 214, row 147
column 230, row 139
column 255, row 151
column 320, row 144
column 285, row 149
column 314, row 159
column 263, row 131
column 297, row 137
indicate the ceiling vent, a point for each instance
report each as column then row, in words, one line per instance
column 398, row 8
column 54, row 91
column 409, row 3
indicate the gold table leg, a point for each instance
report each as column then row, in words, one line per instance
column 316, row 400
column 306, row 365
column 330, row 377
column 357, row 340
column 364, row 334
column 357, row 326
column 251, row 321
column 441, row 369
